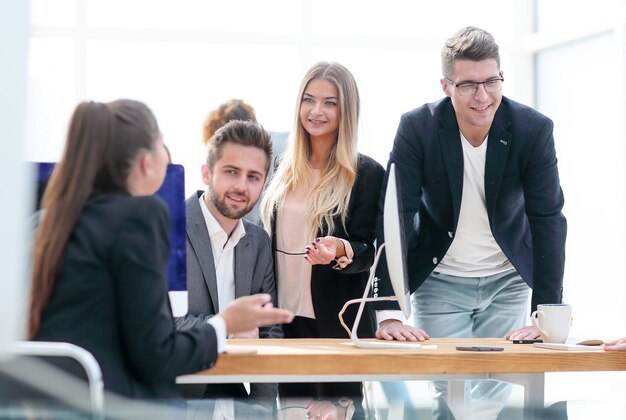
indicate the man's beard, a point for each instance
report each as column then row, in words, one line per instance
column 226, row 210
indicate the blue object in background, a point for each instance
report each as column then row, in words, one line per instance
column 173, row 193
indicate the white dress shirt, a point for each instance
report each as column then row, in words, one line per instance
column 223, row 248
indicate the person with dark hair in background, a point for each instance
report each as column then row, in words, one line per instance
column 482, row 202
column 228, row 257
column 320, row 209
column 100, row 256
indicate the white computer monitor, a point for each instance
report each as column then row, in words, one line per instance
column 395, row 247
column 396, row 262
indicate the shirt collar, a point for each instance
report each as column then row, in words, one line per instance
column 215, row 228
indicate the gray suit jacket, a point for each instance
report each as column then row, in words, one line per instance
column 254, row 273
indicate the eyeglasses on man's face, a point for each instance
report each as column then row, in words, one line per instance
column 470, row 88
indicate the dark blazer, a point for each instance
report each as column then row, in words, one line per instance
column 254, row 273
column 330, row 288
column 522, row 192
column 110, row 298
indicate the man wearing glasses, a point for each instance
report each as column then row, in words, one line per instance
column 482, row 210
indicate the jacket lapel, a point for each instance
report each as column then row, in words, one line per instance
column 498, row 146
column 244, row 266
column 201, row 244
column 450, row 141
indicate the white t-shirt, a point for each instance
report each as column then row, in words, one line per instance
column 474, row 251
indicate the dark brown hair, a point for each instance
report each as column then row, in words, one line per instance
column 234, row 109
column 469, row 43
column 244, row 133
column 103, row 142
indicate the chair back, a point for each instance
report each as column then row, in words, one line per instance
column 60, row 372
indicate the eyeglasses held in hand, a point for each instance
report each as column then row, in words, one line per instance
column 290, row 253
column 470, row 88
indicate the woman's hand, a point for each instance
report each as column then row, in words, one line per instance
column 321, row 410
column 324, row 250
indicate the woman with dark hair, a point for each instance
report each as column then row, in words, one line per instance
column 100, row 257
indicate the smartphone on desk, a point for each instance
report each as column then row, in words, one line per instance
column 479, row 348
column 528, row 341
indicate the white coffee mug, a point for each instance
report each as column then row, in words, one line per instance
column 553, row 321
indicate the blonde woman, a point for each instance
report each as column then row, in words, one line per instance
column 320, row 209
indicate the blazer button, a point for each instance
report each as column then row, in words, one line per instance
column 450, row 234
column 435, row 260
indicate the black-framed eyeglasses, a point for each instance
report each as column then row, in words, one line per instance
column 470, row 88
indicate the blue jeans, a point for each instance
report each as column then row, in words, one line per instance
column 466, row 307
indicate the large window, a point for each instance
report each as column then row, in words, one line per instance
column 184, row 58
column 580, row 85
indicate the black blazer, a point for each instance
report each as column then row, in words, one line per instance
column 330, row 288
column 111, row 299
column 522, row 192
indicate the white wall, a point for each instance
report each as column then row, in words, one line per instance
column 580, row 85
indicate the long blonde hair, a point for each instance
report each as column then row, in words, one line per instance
column 331, row 195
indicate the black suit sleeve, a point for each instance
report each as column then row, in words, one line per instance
column 189, row 321
column 155, row 351
column 361, row 220
column 543, row 204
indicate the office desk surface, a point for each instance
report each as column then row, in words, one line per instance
column 437, row 356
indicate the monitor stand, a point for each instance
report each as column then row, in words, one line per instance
column 378, row 344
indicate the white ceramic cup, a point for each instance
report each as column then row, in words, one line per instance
column 553, row 321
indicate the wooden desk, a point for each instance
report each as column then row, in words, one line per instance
column 335, row 360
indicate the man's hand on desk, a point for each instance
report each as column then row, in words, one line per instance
column 392, row 329
column 526, row 333
column 617, row 345
column 250, row 312
column 254, row 333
